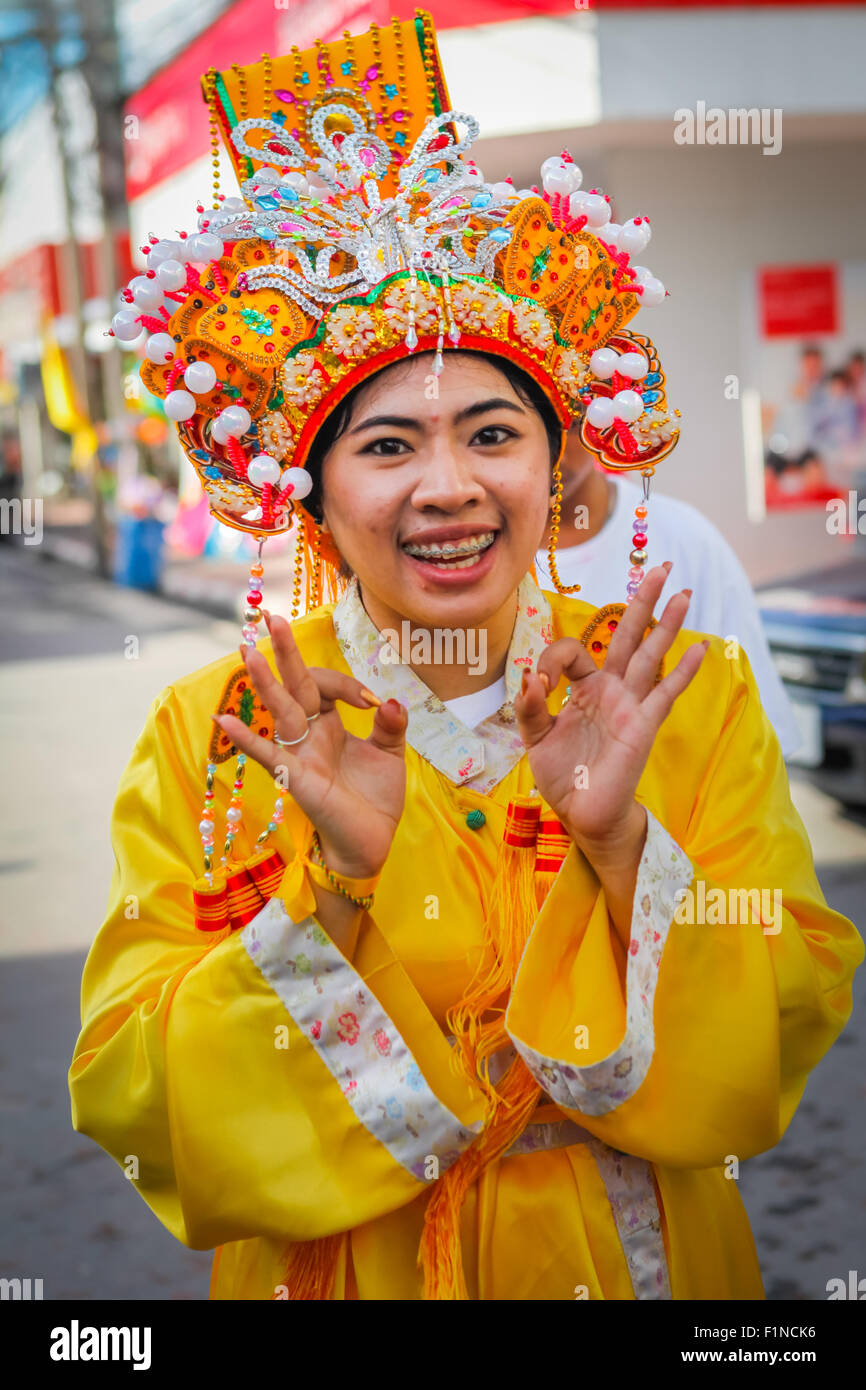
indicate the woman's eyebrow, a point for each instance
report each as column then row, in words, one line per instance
column 481, row 408
column 406, row 422
column 402, row 422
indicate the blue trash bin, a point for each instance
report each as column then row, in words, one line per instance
column 138, row 552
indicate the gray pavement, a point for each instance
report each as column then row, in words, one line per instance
column 73, row 703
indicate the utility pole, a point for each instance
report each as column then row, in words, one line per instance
column 100, row 70
column 77, row 354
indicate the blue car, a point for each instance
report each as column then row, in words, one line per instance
column 816, row 628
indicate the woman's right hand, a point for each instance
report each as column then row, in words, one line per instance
column 351, row 789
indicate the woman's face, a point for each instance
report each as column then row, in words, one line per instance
column 414, row 473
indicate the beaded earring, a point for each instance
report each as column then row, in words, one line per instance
column 555, row 521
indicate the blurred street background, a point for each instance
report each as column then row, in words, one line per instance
column 105, row 534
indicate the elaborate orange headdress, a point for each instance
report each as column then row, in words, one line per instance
column 365, row 232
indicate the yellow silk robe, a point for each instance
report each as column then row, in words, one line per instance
column 660, row 1062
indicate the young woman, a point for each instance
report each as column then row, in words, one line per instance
column 294, row 1085
column 531, row 952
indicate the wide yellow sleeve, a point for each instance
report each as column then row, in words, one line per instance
column 262, row 1085
column 695, row 1042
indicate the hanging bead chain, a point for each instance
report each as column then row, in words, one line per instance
column 214, row 135
column 299, row 567
column 453, row 330
column 268, row 100
column 207, row 824
column 274, row 822
column 317, row 565
column 639, row 538
column 253, row 613
column 411, row 332
column 555, row 523
column 235, row 814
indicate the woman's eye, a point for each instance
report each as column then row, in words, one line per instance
column 386, row 448
column 493, row 434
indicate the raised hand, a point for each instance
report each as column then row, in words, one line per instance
column 351, row 789
column 607, row 727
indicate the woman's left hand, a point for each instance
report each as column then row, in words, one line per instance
column 587, row 760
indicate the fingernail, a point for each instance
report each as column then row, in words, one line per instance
column 369, row 696
column 545, row 680
column 706, row 644
column 688, row 592
column 217, row 719
column 668, row 565
column 524, row 681
column 267, row 618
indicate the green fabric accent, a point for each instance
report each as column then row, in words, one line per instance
column 245, row 711
column 475, row 819
column 220, row 87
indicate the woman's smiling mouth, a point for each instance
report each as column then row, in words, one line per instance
column 464, row 552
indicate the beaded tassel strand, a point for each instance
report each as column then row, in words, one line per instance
column 639, row 554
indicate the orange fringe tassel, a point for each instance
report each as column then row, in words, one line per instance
column 477, row 1023
column 439, row 1254
column 324, row 584
column 312, row 1267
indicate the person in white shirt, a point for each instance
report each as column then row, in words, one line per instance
column 595, row 555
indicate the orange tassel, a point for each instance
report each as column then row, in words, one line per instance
column 321, row 564
column 513, row 909
column 439, row 1254
column 312, row 1268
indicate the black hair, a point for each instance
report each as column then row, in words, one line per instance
column 339, row 420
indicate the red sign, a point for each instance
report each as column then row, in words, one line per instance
column 798, row 300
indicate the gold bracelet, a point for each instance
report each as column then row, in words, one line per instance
column 353, row 889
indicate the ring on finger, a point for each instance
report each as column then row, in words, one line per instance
column 311, row 717
column 290, row 742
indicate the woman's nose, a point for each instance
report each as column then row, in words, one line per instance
column 447, row 481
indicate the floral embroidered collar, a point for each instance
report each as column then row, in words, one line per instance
column 476, row 758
